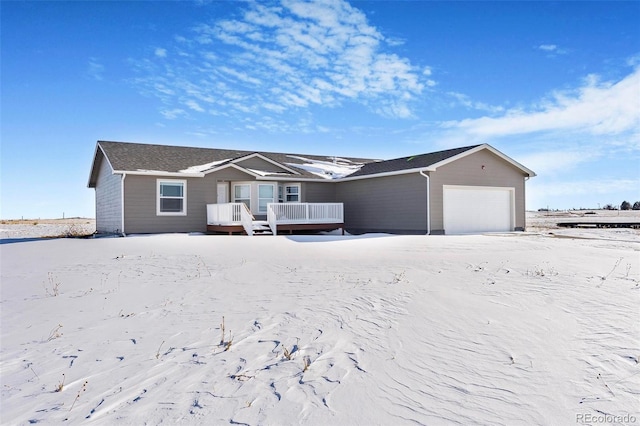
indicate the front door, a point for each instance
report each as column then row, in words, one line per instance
column 223, row 193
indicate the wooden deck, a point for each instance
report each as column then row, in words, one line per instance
column 236, row 218
column 598, row 224
column 282, row 228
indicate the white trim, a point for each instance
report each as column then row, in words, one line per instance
column 233, row 192
column 226, row 192
column 284, row 192
column 428, row 201
column 159, row 182
column 256, row 154
column 158, row 173
column 225, row 166
column 124, row 175
column 273, row 199
column 104, row 155
column 385, row 174
column 295, row 179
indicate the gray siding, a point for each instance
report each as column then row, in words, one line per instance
column 257, row 163
column 140, row 205
column 108, row 200
column 313, row 192
column 469, row 171
column 396, row 204
column 230, row 175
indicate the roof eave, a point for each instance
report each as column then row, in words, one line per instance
column 157, row 173
column 384, row 174
column 92, row 182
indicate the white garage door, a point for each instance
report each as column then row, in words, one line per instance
column 472, row 209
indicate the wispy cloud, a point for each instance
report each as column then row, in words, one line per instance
column 596, row 108
column 548, row 47
column 171, row 114
column 467, row 102
column 95, row 69
column 275, row 58
column 551, row 49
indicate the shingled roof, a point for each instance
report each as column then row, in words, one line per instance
column 421, row 161
column 136, row 157
column 142, row 158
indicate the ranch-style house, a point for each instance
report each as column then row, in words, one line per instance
column 144, row 188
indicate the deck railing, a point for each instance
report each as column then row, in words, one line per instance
column 277, row 213
column 247, row 219
column 307, row 212
column 225, row 214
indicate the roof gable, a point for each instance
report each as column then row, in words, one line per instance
column 429, row 162
column 262, row 165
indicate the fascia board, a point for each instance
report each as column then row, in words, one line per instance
column 394, row 173
column 234, row 166
column 295, row 179
column 157, row 173
column 93, row 164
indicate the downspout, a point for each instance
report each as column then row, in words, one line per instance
column 124, row 175
column 428, row 202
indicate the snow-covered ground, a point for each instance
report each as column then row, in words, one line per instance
column 523, row 328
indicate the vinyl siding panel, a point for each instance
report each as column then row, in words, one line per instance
column 469, row 171
column 140, row 205
column 396, row 204
column 313, row 192
column 230, row 174
column 108, row 200
column 257, row 163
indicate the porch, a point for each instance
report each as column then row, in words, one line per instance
column 233, row 218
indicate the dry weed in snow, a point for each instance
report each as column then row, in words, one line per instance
column 482, row 330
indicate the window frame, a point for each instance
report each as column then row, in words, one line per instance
column 286, row 193
column 272, row 199
column 239, row 200
column 159, row 196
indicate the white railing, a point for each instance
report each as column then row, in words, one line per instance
column 272, row 219
column 247, row 219
column 225, row 214
column 277, row 213
column 289, row 213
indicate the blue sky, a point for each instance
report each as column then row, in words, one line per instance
column 554, row 85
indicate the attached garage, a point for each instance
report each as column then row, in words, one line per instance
column 473, row 209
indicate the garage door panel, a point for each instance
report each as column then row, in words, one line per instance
column 477, row 209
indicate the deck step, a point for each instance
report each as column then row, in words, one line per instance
column 261, row 227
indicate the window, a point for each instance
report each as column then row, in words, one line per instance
column 242, row 194
column 172, row 198
column 292, row 193
column 266, row 194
